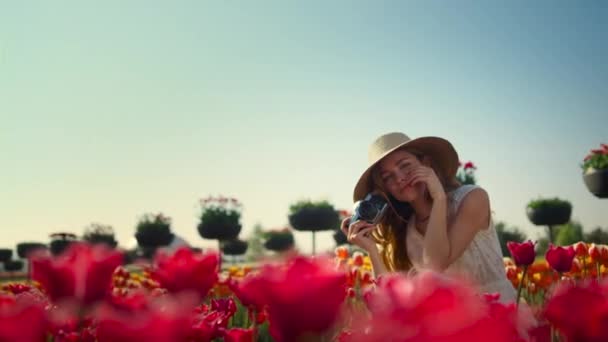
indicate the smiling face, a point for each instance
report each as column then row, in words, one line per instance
column 392, row 172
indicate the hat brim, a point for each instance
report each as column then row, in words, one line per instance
column 441, row 150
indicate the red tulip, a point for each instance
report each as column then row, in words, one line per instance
column 304, row 297
column 250, row 291
column 186, row 270
column 226, row 306
column 581, row 249
column 83, row 272
column 523, row 253
column 469, row 165
column 409, row 309
column 580, row 312
column 259, row 317
column 238, row 335
column 68, row 327
column 21, row 320
column 560, row 258
column 161, row 319
column 597, row 151
column 211, row 321
column 594, row 253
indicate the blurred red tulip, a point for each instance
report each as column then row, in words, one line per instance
column 212, row 320
column 250, row 291
column 186, row 270
column 226, row 306
column 523, row 253
column 594, row 253
column 581, row 249
column 560, row 258
column 469, row 165
column 410, row 309
column 21, row 320
column 304, row 297
column 160, row 319
column 238, row 335
column 83, row 272
column 580, row 312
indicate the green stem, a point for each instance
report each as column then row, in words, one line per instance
column 584, row 267
column 521, row 283
column 255, row 324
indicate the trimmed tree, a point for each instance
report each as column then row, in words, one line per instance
column 549, row 212
column 279, row 240
column 153, row 231
column 339, row 236
column 313, row 217
column 220, row 219
column 97, row 233
column 25, row 248
column 60, row 241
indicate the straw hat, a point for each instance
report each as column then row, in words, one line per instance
column 440, row 150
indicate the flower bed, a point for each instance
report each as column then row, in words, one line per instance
column 86, row 295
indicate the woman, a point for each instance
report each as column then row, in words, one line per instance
column 434, row 222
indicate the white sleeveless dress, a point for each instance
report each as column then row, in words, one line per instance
column 481, row 261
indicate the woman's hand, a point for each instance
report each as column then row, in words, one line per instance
column 426, row 175
column 358, row 233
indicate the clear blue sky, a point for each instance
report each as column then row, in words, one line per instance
column 112, row 110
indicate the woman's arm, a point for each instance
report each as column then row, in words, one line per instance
column 436, row 245
column 443, row 244
column 378, row 266
column 357, row 233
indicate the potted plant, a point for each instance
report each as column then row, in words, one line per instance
column 25, row 248
column 153, row 231
column 220, row 219
column 466, row 173
column 339, row 236
column 13, row 265
column 595, row 171
column 549, row 212
column 234, row 247
column 278, row 240
column 97, row 233
column 60, row 241
column 313, row 216
column 5, row 254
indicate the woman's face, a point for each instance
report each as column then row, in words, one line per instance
column 394, row 169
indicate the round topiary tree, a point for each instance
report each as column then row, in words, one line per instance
column 60, row 241
column 220, row 219
column 278, row 240
column 5, row 254
column 234, row 247
column 313, row 217
column 97, row 233
column 25, row 248
column 152, row 232
column 549, row 212
column 13, row 265
column 339, row 236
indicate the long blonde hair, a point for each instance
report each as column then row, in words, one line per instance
column 391, row 232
